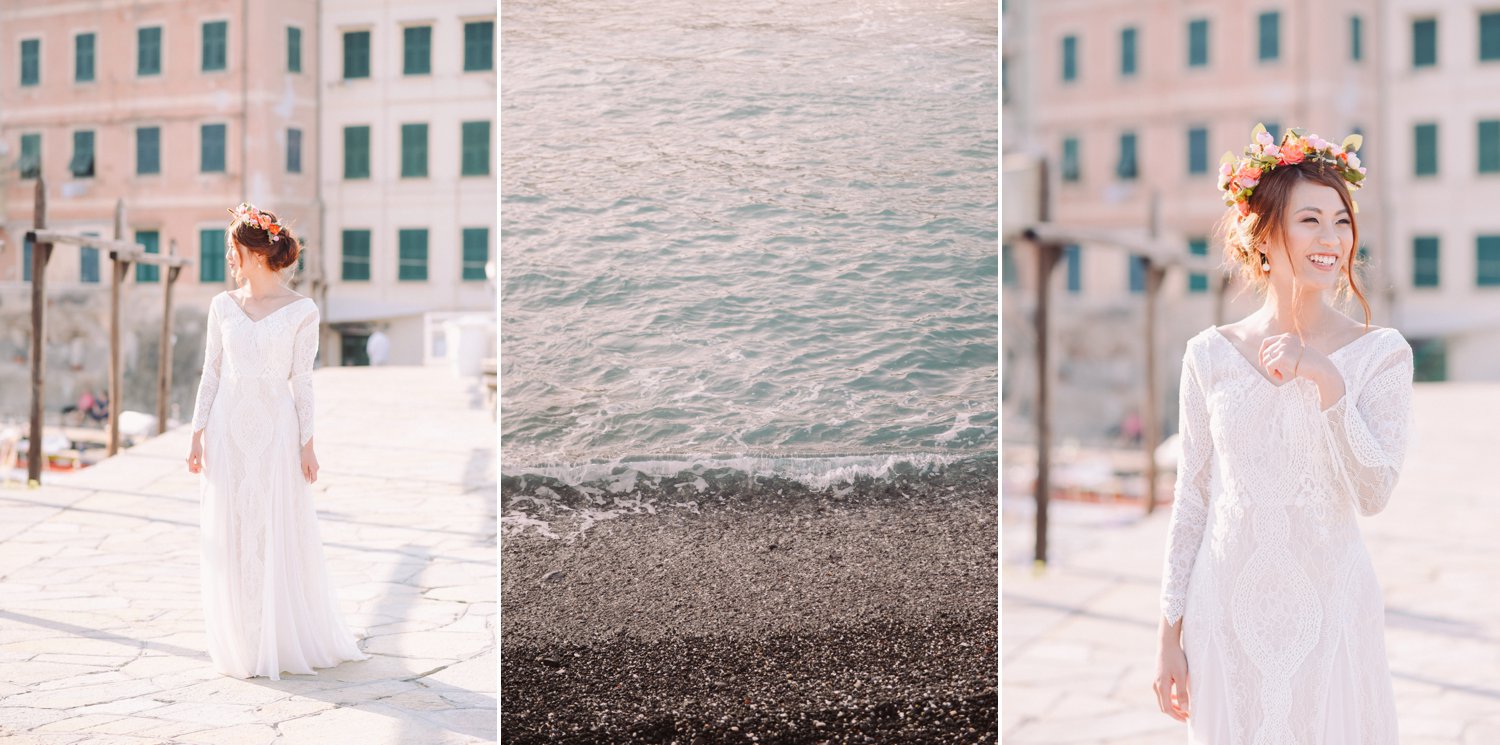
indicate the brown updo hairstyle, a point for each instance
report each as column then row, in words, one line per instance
column 279, row 254
column 1268, row 207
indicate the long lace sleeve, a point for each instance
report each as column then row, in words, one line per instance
column 304, row 352
column 1190, row 496
column 208, row 385
column 1368, row 430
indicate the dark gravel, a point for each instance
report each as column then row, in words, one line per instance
column 863, row 617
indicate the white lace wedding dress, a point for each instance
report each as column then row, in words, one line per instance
column 268, row 604
column 1283, row 617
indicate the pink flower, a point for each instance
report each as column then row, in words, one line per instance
column 1273, row 151
column 1244, row 209
column 1292, row 156
column 1265, row 139
column 1248, row 183
column 1226, row 170
column 1353, row 161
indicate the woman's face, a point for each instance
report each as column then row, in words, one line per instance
column 1318, row 233
column 239, row 261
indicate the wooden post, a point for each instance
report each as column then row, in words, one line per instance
column 40, row 252
column 164, row 366
column 1047, row 257
column 1151, row 434
column 117, row 280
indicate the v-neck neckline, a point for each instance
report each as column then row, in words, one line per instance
column 246, row 313
column 1255, row 369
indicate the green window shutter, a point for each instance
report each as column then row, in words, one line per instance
column 479, row 41
column 31, row 62
column 26, row 260
column 215, row 45
column 82, row 165
column 476, row 252
column 356, row 152
column 30, row 163
column 1429, row 360
column 1127, row 51
column 1487, row 260
column 1424, row 43
column 356, row 255
column 1198, row 43
column 83, row 58
column 1074, row 262
column 412, row 244
column 1069, row 58
column 1356, row 42
column 1126, row 168
column 212, row 245
column 476, row 149
column 148, row 51
column 1424, row 261
column 88, row 263
column 151, row 240
column 417, row 54
column 1425, row 149
column 294, row 151
column 1489, row 37
column 1270, row 36
column 356, row 54
column 413, row 151
column 1009, row 275
column 147, row 150
column 211, row 151
column 1137, row 273
column 1197, row 155
column 1069, row 166
column 1198, row 281
column 1489, row 146
column 293, row 49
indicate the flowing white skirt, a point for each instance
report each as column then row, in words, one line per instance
column 268, row 605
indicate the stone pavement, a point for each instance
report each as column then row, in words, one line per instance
column 101, row 630
column 1078, row 643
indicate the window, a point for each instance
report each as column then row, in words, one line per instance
column 1425, row 149
column 294, row 151
column 30, row 163
column 151, row 240
column 353, row 349
column 413, row 151
column 31, row 62
column 356, row 54
column 1356, row 52
column 1489, row 37
column 1069, row 58
column 148, row 51
column 1424, row 261
column 1137, row 274
column 1127, row 51
column 1198, row 281
column 83, row 58
column 213, row 243
column 88, row 263
column 1424, row 43
column 1074, row 261
column 1198, row 43
column 1489, row 146
column 1429, row 360
column 293, row 49
column 82, row 165
column 1008, row 269
column 1126, row 168
column 215, row 45
column 476, row 149
column 1069, row 166
column 1487, row 260
column 1270, row 36
column 479, row 41
column 476, row 252
column 1197, row 155
column 356, row 259
column 147, row 150
column 412, row 245
column 418, row 50
column 211, row 152
column 26, row 260
column 356, row 152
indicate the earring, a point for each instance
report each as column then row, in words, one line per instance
column 1265, row 264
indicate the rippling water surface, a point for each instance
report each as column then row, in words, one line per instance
column 757, row 234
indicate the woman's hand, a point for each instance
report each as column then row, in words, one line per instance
column 1284, row 357
column 309, row 463
column 1172, row 673
column 195, row 455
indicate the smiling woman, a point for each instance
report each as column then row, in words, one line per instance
column 1292, row 424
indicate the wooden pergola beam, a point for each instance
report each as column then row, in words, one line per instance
column 119, row 249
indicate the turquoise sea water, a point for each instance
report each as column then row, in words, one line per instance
column 758, row 236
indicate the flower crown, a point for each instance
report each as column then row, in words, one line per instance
column 247, row 213
column 1238, row 176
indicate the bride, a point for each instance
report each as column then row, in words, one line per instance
column 268, row 605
